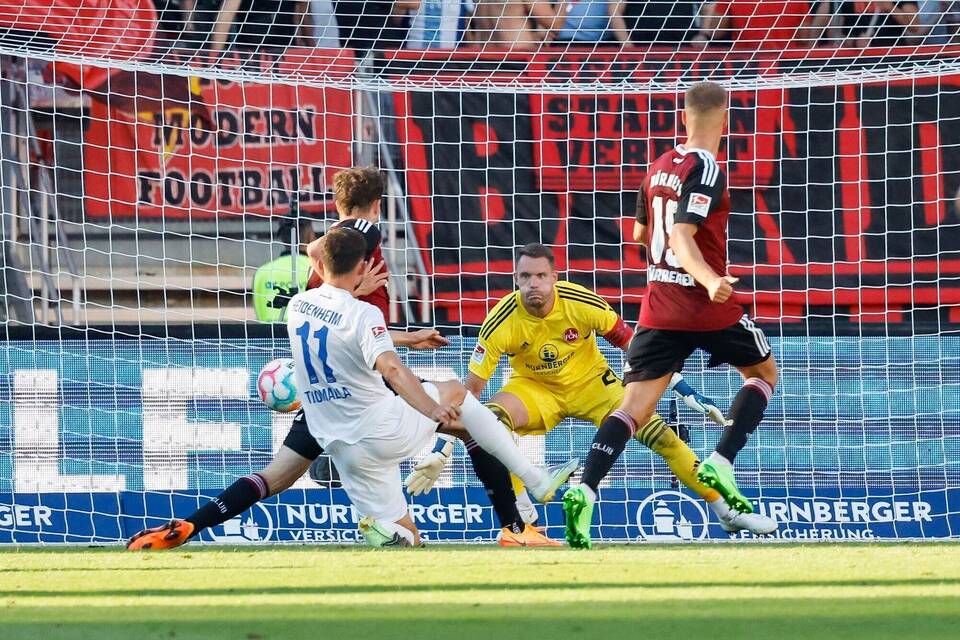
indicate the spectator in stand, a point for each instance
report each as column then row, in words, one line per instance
column 439, row 24
column 326, row 34
column 512, row 24
column 591, row 22
column 367, row 25
column 253, row 24
column 858, row 25
column 755, row 24
column 896, row 24
column 656, row 22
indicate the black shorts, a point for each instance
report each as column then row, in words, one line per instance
column 653, row 353
column 299, row 439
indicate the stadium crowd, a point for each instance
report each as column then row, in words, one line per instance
column 529, row 24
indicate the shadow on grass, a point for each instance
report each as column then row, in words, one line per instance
column 440, row 587
column 787, row 619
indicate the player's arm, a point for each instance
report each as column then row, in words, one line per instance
column 701, row 190
column 409, row 387
column 491, row 344
column 475, row 384
column 640, row 223
column 420, row 339
column 602, row 319
column 691, row 259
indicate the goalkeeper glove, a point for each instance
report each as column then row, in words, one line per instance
column 696, row 401
column 423, row 476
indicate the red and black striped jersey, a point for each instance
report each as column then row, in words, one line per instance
column 371, row 233
column 684, row 186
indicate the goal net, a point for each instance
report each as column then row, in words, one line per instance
column 152, row 160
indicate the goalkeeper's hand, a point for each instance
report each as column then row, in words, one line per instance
column 423, row 476
column 696, row 401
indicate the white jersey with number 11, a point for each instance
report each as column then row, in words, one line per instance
column 335, row 340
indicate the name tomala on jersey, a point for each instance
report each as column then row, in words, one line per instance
column 659, row 274
column 316, row 396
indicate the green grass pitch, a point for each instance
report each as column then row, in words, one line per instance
column 775, row 591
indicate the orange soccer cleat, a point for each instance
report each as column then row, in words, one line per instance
column 166, row 536
column 530, row 537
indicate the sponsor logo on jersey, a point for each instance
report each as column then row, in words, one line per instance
column 378, row 331
column 670, row 516
column 699, row 204
column 571, row 335
column 478, row 354
column 549, row 353
column 659, row 274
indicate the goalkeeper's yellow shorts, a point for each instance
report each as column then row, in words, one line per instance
column 592, row 400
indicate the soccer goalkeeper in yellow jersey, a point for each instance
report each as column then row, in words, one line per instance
column 547, row 328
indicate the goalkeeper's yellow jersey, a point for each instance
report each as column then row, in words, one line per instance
column 559, row 350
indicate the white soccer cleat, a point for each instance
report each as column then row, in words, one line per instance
column 755, row 523
column 555, row 478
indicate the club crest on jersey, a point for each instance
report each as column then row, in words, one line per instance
column 478, row 354
column 378, row 331
column 699, row 204
column 571, row 335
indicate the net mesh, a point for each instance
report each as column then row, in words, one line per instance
column 154, row 157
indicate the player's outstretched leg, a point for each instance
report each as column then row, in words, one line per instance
column 639, row 402
column 514, row 532
column 608, row 444
column 286, row 466
column 663, row 440
column 488, row 432
column 234, row 500
column 746, row 412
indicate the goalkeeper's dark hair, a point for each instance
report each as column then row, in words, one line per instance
column 536, row 250
column 704, row 97
column 341, row 250
column 358, row 188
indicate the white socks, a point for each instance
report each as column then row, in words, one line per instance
column 590, row 493
column 719, row 459
column 490, row 435
column 721, row 508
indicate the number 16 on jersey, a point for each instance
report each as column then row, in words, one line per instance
column 664, row 209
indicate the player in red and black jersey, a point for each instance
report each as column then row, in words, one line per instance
column 358, row 193
column 682, row 213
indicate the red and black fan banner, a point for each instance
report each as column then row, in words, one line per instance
column 168, row 146
column 843, row 196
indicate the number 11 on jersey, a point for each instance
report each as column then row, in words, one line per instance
column 307, row 355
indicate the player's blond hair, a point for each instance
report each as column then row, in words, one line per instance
column 705, row 97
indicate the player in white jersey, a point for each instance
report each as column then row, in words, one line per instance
column 344, row 361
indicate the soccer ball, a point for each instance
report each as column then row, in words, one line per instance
column 277, row 387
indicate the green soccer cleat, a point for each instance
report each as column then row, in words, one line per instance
column 578, row 509
column 720, row 477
